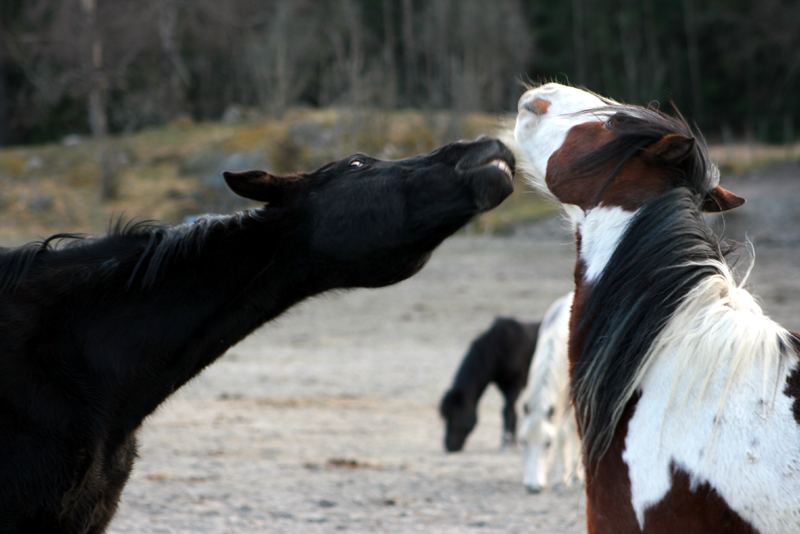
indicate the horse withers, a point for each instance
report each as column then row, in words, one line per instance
column 686, row 394
column 95, row 333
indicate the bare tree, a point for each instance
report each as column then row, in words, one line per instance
column 3, row 94
column 98, row 86
column 176, row 70
column 692, row 56
column 344, row 32
column 281, row 56
column 579, row 40
column 389, row 67
column 409, row 52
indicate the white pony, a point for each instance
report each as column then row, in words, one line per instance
column 549, row 433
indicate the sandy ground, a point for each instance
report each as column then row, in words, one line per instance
column 325, row 420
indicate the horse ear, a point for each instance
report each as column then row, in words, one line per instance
column 720, row 199
column 257, row 185
column 672, row 148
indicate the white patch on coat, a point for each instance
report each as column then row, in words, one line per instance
column 601, row 230
column 712, row 403
column 551, row 444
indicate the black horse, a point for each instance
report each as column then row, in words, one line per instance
column 97, row 332
column 501, row 355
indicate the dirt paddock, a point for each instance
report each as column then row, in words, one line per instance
column 325, row 420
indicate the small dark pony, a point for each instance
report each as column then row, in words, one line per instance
column 96, row 333
column 687, row 396
column 501, row 355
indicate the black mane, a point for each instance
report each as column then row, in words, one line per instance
column 663, row 254
column 142, row 246
column 635, row 128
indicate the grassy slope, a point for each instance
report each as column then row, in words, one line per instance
column 172, row 172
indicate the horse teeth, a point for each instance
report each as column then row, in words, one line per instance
column 503, row 166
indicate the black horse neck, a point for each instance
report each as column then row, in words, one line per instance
column 243, row 275
column 150, row 308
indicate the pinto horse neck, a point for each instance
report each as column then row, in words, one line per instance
column 635, row 328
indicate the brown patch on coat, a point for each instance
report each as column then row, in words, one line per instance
column 638, row 181
column 575, row 341
column 608, row 487
column 685, row 509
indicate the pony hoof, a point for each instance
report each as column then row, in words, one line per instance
column 533, row 490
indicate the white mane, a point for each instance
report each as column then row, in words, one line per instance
column 715, row 377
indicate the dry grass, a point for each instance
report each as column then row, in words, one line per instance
column 742, row 157
column 171, row 172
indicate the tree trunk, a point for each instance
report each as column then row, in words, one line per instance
column 3, row 97
column 96, row 99
column 690, row 28
column 389, row 94
column 355, row 65
column 409, row 53
column 98, row 119
column 177, row 73
column 578, row 41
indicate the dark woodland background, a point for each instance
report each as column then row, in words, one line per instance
column 114, row 66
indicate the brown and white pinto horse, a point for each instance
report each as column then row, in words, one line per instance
column 686, row 394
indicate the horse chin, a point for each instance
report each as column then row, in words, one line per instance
column 400, row 272
column 415, row 266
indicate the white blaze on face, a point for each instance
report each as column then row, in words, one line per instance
column 539, row 455
column 545, row 116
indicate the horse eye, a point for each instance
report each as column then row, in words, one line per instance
column 356, row 163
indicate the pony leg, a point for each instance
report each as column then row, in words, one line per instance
column 509, row 437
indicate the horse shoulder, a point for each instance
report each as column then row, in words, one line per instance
column 728, row 457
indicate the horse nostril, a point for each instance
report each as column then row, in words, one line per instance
column 538, row 106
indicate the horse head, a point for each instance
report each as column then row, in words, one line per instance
column 590, row 151
column 375, row 222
